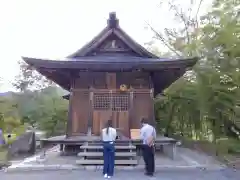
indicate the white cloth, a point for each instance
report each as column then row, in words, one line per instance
column 146, row 132
column 111, row 136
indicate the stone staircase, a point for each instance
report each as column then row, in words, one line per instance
column 92, row 154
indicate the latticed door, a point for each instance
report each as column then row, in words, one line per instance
column 111, row 105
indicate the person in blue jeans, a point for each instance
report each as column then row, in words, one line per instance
column 109, row 135
column 148, row 135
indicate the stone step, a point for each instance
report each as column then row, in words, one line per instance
column 100, row 162
column 100, row 144
column 101, row 147
column 99, row 154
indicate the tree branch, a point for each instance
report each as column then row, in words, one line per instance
column 183, row 18
column 163, row 40
column 198, row 9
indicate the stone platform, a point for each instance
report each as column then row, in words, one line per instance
column 185, row 159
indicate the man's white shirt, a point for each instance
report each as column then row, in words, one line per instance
column 146, row 132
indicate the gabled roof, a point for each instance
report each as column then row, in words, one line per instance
column 113, row 29
column 112, row 50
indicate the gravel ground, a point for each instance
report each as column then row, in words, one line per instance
column 197, row 174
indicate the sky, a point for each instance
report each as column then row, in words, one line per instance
column 56, row 28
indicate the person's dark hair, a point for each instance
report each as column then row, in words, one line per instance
column 144, row 121
column 108, row 125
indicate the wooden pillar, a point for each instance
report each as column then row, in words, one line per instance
column 111, row 104
column 70, row 117
column 152, row 106
column 111, row 84
column 131, row 110
column 90, row 117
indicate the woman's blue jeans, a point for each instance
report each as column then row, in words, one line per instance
column 109, row 158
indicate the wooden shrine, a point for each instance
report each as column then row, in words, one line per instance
column 111, row 77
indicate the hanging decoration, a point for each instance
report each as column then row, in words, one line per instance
column 123, row 87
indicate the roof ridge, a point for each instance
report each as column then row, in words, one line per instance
column 112, row 27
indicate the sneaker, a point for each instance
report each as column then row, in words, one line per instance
column 109, row 177
column 105, row 175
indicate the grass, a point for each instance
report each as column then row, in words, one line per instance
column 3, row 156
column 11, row 139
column 4, row 151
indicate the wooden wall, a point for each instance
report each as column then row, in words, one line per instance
column 87, row 84
column 143, row 107
column 80, row 112
column 103, row 80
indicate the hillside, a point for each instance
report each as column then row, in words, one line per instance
column 43, row 108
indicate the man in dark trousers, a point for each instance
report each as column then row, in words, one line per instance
column 148, row 135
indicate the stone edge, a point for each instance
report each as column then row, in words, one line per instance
column 98, row 168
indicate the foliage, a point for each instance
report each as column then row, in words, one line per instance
column 54, row 116
column 10, row 139
column 203, row 104
column 3, row 156
column 9, row 116
column 43, row 109
column 11, row 123
column 38, row 104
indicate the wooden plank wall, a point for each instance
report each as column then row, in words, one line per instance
column 121, row 121
column 143, row 107
column 100, row 119
column 142, row 103
column 111, row 80
column 80, row 112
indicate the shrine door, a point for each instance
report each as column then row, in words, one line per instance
column 108, row 105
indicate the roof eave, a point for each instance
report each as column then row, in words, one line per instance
column 105, row 66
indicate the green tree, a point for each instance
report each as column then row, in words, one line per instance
column 201, row 104
column 39, row 102
column 44, row 109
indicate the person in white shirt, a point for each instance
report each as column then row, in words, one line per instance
column 148, row 135
column 109, row 135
